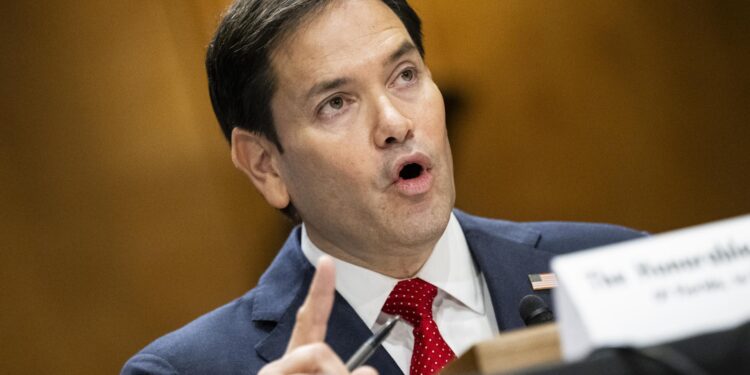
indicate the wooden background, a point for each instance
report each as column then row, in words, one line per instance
column 122, row 218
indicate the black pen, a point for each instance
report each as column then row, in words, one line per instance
column 371, row 345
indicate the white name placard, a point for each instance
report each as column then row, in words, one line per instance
column 653, row 290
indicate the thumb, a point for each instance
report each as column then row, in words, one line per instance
column 312, row 316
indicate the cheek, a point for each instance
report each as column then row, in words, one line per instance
column 432, row 114
column 329, row 168
column 347, row 171
column 431, row 106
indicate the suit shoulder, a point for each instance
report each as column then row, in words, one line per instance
column 227, row 335
column 144, row 363
column 552, row 236
column 563, row 237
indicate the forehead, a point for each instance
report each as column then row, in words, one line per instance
column 341, row 36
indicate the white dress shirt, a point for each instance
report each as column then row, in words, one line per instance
column 462, row 308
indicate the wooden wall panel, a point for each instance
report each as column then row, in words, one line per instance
column 122, row 217
column 627, row 112
column 125, row 217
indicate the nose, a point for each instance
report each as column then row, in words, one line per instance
column 392, row 126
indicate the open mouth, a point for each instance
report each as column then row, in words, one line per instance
column 413, row 176
column 410, row 171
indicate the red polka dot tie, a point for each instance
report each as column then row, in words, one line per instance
column 412, row 299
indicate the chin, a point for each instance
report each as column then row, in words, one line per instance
column 422, row 227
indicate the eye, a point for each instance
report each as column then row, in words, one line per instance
column 406, row 78
column 336, row 102
column 333, row 106
column 407, row 75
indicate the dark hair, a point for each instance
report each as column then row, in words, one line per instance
column 240, row 78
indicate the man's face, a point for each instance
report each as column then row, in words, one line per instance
column 366, row 158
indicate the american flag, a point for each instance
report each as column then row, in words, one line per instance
column 542, row 281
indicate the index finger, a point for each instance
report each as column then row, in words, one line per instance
column 312, row 316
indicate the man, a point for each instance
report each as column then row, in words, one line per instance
column 335, row 119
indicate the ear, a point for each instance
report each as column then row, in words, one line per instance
column 258, row 158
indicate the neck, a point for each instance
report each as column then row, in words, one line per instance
column 394, row 260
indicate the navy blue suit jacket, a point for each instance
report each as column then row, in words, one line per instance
column 244, row 335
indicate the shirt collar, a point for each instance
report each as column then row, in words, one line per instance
column 450, row 267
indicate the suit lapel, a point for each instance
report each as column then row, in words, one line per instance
column 346, row 332
column 506, row 255
column 281, row 291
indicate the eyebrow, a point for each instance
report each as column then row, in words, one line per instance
column 405, row 48
column 326, row 86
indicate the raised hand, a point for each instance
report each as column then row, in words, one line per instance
column 306, row 352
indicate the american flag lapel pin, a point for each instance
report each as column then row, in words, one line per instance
column 543, row 281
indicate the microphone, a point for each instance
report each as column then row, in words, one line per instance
column 534, row 310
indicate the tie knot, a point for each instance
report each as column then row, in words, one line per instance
column 412, row 300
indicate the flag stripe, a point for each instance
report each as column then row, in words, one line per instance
column 542, row 281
